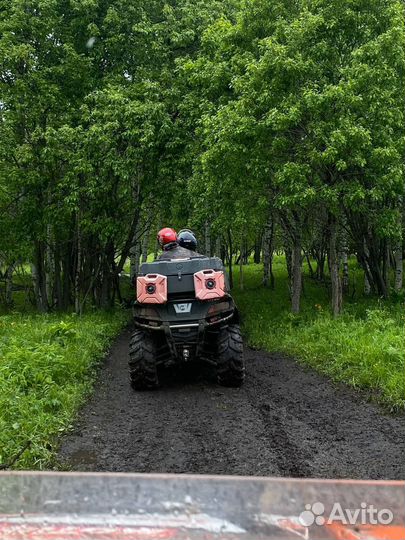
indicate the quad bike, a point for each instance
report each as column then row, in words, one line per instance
column 184, row 312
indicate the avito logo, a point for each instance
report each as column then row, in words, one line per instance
column 365, row 515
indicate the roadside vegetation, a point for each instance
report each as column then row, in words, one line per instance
column 363, row 348
column 47, row 367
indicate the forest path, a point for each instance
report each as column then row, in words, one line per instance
column 285, row 421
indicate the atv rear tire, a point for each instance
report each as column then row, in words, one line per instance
column 230, row 362
column 142, row 362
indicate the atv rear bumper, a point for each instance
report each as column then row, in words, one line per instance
column 185, row 336
column 167, row 327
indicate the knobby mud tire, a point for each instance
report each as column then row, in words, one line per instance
column 142, row 362
column 230, row 361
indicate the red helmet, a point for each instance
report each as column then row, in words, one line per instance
column 166, row 236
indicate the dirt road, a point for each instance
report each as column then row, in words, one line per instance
column 285, row 421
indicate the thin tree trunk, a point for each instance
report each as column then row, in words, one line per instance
column 288, row 261
column 223, row 252
column 311, row 270
column 246, row 252
column 9, row 283
column 241, row 284
column 145, row 245
column 398, row 268
column 49, row 267
column 334, row 269
column 36, row 287
column 367, row 273
column 207, row 238
column 272, row 279
column 105, row 293
column 38, row 279
column 386, row 267
column 137, row 257
column 268, row 252
column 367, row 286
column 296, row 274
column 67, row 267
column 320, row 268
column 58, row 282
column 135, row 246
column 344, row 255
column 374, row 255
column 78, row 266
column 90, row 288
column 133, row 230
column 230, row 258
column 258, row 250
column 134, row 254
column 108, row 274
column 345, row 275
column 218, row 247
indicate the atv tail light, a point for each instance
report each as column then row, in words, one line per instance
column 151, row 289
column 209, row 284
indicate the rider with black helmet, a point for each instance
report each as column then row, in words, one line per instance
column 186, row 239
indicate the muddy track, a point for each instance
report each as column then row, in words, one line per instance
column 285, row 421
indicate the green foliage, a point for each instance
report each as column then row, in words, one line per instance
column 91, row 140
column 300, row 120
column 313, row 111
column 47, row 367
column 119, row 114
column 363, row 348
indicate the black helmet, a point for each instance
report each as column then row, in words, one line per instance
column 186, row 239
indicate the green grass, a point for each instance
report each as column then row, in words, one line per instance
column 364, row 347
column 47, row 368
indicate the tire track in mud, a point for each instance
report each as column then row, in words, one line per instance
column 285, row 421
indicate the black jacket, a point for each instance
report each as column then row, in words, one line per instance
column 178, row 252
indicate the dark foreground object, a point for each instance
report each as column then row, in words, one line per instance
column 43, row 506
column 284, row 421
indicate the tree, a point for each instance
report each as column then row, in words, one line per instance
column 307, row 122
column 90, row 137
